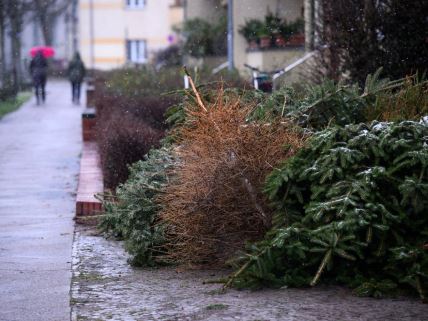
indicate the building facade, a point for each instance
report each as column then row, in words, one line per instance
column 244, row 10
column 113, row 33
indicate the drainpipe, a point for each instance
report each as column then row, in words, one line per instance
column 230, row 35
column 184, row 57
column 75, row 46
column 309, row 24
column 91, row 33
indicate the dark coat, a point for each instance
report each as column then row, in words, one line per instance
column 76, row 70
column 39, row 69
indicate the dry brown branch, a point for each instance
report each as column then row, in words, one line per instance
column 215, row 204
column 198, row 97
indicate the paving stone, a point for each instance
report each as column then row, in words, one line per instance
column 39, row 161
column 106, row 287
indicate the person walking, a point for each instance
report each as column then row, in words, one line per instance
column 39, row 72
column 76, row 73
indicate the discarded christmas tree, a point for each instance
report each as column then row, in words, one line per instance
column 131, row 213
column 350, row 208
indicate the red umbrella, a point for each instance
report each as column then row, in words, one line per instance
column 46, row 51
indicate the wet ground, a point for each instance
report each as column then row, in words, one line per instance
column 105, row 287
column 39, row 161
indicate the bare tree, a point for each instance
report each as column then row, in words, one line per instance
column 15, row 11
column 46, row 12
column 2, row 42
column 359, row 36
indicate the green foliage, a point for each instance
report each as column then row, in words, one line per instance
column 271, row 26
column 11, row 104
column 7, row 88
column 140, row 82
column 410, row 102
column 169, row 57
column 130, row 116
column 295, row 27
column 131, row 214
column 351, row 208
column 250, row 30
column 319, row 106
column 202, row 38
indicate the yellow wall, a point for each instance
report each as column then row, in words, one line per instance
column 176, row 15
column 114, row 24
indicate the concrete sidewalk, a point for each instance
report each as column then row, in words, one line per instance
column 39, row 153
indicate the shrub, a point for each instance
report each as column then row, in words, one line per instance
column 130, row 117
column 151, row 108
column 350, row 208
column 202, row 38
column 133, row 98
column 169, row 57
column 7, row 92
column 122, row 141
column 140, row 82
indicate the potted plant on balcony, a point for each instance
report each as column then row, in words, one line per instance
column 250, row 32
column 274, row 25
column 296, row 33
column 264, row 36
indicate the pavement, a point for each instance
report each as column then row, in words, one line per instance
column 39, row 163
column 106, row 287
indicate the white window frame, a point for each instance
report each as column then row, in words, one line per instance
column 136, row 51
column 135, row 4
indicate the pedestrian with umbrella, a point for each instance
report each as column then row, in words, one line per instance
column 39, row 72
column 76, row 73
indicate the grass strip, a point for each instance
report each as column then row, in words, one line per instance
column 13, row 104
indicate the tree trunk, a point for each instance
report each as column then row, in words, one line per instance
column 46, row 28
column 43, row 18
column 15, row 13
column 47, row 11
column 332, row 52
column 2, row 43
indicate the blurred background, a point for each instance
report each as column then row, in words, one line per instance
column 315, row 38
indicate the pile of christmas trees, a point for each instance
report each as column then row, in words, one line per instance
column 345, row 199
column 351, row 208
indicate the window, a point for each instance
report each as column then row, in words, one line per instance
column 136, row 51
column 135, row 4
column 178, row 3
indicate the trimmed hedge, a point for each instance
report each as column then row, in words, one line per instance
column 130, row 117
